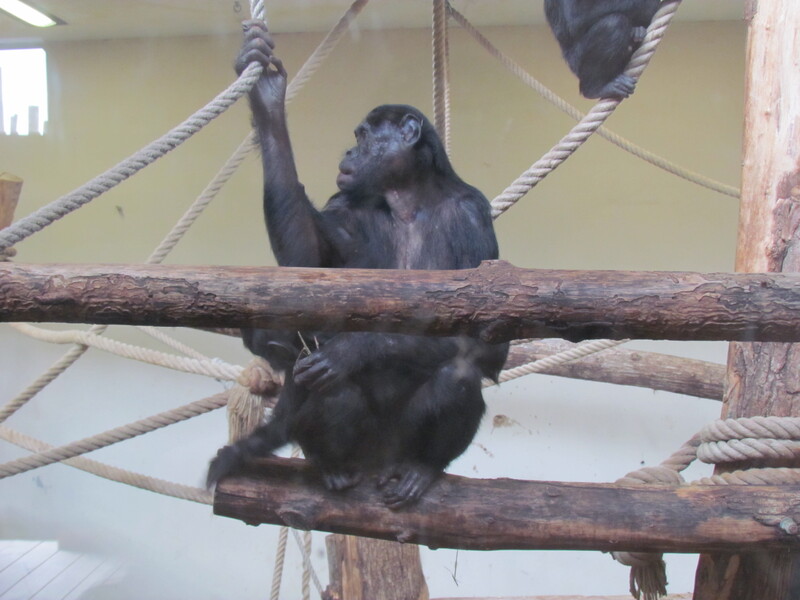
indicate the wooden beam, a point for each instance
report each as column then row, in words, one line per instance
column 626, row 597
column 497, row 514
column 496, row 301
column 763, row 379
column 628, row 367
column 369, row 569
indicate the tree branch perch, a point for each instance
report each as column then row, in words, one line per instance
column 495, row 514
column 496, row 301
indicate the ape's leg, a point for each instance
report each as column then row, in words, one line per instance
column 332, row 429
column 435, row 427
column 263, row 441
column 600, row 57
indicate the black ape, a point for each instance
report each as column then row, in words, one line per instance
column 403, row 405
column 598, row 38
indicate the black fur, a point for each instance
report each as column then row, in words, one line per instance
column 598, row 38
column 403, row 406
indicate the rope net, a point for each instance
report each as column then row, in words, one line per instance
column 256, row 384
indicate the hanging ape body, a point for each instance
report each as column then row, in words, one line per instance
column 598, row 38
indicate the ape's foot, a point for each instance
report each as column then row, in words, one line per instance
column 404, row 484
column 618, row 89
column 340, row 479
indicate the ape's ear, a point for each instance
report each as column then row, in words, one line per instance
column 410, row 129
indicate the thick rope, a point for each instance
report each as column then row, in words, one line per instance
column 724, row 440
column 576, row 114
column 215, row 368
column 61, row 207
column 280, row 559
column 257, row 9
column 593, row 119
column 118, row 434
column 324, row 49
column 202, row 201
column 158, row 255
column 304, row 545
column 750, row 439
column 441, row 73
column 162, row 337
column 580, row 351
column 168, row 243
column 56, row 369
column 305, row 549
column 648, row 575
column 144, row 482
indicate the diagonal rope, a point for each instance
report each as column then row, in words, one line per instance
column 537, row 366
column 118, row 434
column 61, row 207
column 215, row 368
column 576, row 114
column 593, row 119
column 322, row 51
column 144, row 482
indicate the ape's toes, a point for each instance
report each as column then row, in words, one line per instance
column 340, row 480
column 227, row 460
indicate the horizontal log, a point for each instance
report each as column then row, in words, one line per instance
column 497, row 514
column 686, row 596
column 621, row 366
column 496, row 301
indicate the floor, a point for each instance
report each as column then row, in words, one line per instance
column 40, row 570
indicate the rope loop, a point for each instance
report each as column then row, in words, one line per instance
column 762, row 439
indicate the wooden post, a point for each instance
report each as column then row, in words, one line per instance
column 366, row 569
column 10, row 188
column 763, row 378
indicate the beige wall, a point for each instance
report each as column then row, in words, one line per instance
column 603, row 209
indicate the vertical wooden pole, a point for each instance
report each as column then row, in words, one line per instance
column 763, row 379
column 367, row 569
column 10, row 188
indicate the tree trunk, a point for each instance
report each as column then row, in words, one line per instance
column 763, row 379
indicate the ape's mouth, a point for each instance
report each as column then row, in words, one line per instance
column 344, row 178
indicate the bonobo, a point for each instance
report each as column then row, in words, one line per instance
column 598, row 38
column 400, row 406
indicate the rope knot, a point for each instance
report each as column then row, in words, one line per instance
column 259, row 378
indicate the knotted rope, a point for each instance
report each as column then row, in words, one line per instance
column 757, row 439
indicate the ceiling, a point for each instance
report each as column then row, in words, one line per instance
column 102, row 19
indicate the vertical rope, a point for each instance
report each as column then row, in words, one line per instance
column 441, row 75
column 257, row 10
column 280, row 558
column 306, row 581
column 277, row 571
